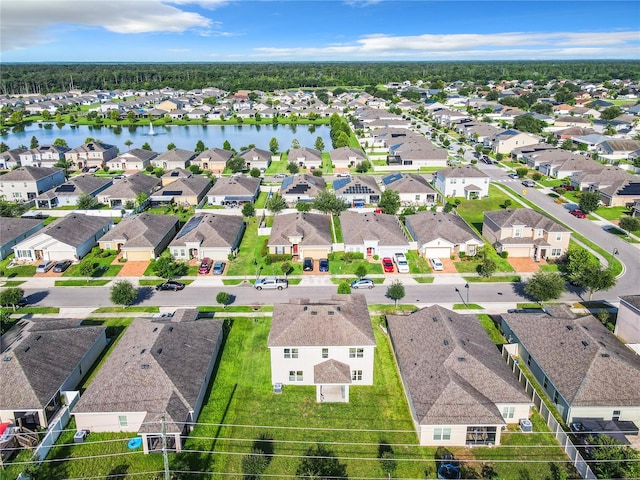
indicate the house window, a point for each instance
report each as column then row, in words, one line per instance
column 182, row 252
column 442, row 433
column 417, row 198
column 558, row 237
column 280, row 250
column 538, row 233
column 517, row 232
column 325, row 353
column 555, row 397
column 556, row 252
column 508, row 412
column 356, row 352
column 453, row 181
column 295, row 375
column 122, row 419
column 546, row 382
column 356, row 375
column 290, row 353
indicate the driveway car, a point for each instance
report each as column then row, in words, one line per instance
column 205, row 266
column 578, row 213
column 307, row 265
column 324, row 265
column 218, row 268
column 362, row 283
column 401, row 262
column 271, row 283
column 387, row 265
column 280, row 175
column 44, row 266
column 436, row 264
column 171, row 285
column 61, row 266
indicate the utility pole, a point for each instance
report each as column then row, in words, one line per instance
column 165, row 456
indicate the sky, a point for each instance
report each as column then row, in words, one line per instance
column 307, row 30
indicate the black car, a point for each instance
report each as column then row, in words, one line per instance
column 170, row 285
column 324, row 265
column 307, row 265
column 61, row 266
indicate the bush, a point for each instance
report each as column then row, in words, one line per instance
column 351, row 256
column 504, row 254
column 376, row 257
column 507, row 203
column 462, row 255
column 317, row 172
column 537, row 176
column 561, row 191
column 303, row 206
column 149, row 168
column 344, row 287
column 264, row 251
column 630, row 224
column 281, row 257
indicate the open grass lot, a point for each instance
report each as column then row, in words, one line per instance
column 473, row 210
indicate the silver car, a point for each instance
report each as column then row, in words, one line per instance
column 45, row 266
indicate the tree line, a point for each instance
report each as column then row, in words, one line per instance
column 46, row 78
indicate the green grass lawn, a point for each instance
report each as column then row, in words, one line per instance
column 417, row 264
column 473, row 210
column 338, row 266
column 612, row 213
column 101, row 262
column 19, row 271
column 262, row 198
column 80, row 283
column 494, row 279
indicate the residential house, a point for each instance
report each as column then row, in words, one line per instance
column 160, row 369
column 172, row 159
column 234, row 191
column 213, row 160
column 440, row 235
column 572, row 121
column 413, row 189
column 459, row 390
column 44, row 156
column 523, row 232
column 41, row 360
column 581, row 366
column 357, row 191
column 141, row 237
column 301, row 235
column 208, row 235
column 70, row 237
column 174, row 175
column 622, row 192
column 305, row 157
column 599, row 176
column 346, row 157
column 256, row 158
column 187, row 192
column 135, row 159
column 618, row 149
column 465, row 181
column 372, row 234
column 507, row 141
column 628, row 321
column 26, row 183
column 125, row 192
column 301, row 188
column 68, row 194
column 329, row 344
column 11, row 158
column 415, row 153
column 91, row 154
column 14, row 230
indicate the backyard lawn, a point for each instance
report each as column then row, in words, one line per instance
column 473, row 210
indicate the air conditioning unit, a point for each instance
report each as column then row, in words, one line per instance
column 79, row 436
column 277, row 388
column 526, row 426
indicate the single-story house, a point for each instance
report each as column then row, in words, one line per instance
column 44, row 359
column 234, row 190
column 357, row 191
column 415, row 153
column 185, row 191
column 372, row 234
column 14, row 230
column 346, row 157
column 160, row 368
column 412, row 188
column 256, row 158
column 70, row 237
column 176, row 158
column 175, row 174
column 213, row 160
column 208, row 235
column 141, row 237
column 301, row 187
column 465, row 181
column 301, row 235
column 459, row 389
column 134, row 159
column 126, row 190
column 305, row 157
column 329, row 344
column 69, row 193
column 440, row 235
column 26, row 183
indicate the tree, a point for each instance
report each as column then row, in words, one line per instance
column 292, row 168
column 542, row 108
column 236, row 164
column 390, row 201
column 295, row 143
column 593, row 277
column 567, row 145
column 123, row 293
column 388, row 462
column 285, row 267
column 522, row 172
column 248, row 210
column 226, row 146
column 200, row 147
column 275, row 203
column 320, row 463
column 342, row 140
column 254, row 172
column 223, row 298
column 128, row 143
column 167, row 267
column 344, row 287
column 589, row 201
column 141, row 199
column 527, row 123
column 254, row 464
column 361, row 269
column 576, row 260
column 319, row 145
column 274, row 146
column 34, row 142
column 610, row 113
column 612, row 459
column 506, row 203
column 487, row 268
column 630, row 224
column 395, row 291
column 327, row 202
column 11, row 296
column 171, row 146
column 363, row 166
column 87, row 268
column 545, row 286
column 87, row 202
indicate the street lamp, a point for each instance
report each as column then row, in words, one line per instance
column 255, row 264
column 466, row 285
column 614, row 252
column 460, row 294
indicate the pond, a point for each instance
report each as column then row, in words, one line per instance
column 183, row 136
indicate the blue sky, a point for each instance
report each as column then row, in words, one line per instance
column 305, row 30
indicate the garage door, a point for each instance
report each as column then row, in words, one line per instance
column 519, row 252
column 138, row 256
column 437, row 252
column 315, row 253
column 390, row 251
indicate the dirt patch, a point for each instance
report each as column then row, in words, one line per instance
column 525, row 265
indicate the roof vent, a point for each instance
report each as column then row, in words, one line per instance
column 144, row 366
column 171, row 329
column 585, row 343
column 435, row 319
column 38, row 337
column 314, row 312
column 142, row 351
column 601, row 343
column 305, row 308
column 462, row 342
column 159, row 351
column 6, row 359
column 450, row 319
column 604, row 355
column 446, row 342
column 569, row 327
column 462, row 359
column 26, row 349
column 155, row 329
column 338, row 308
column 331, row 312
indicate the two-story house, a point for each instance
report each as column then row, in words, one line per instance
column 26, row 183
column 91, row 154
column 465, row 181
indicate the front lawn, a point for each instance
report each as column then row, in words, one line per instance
column 339, row 266
column 101, row 259
column 417, row 264
column 612, row 213
column 473, row 210
column 18, row 271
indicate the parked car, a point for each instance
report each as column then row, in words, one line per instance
column 171, row 285
column 205, row 266
column 387, row 265
column 362, row 283
column 578, row 213
column 324, row 265
column 401, row 263
column 218, row 268
column 280, row 175
column 271, row 283
column 436, row 264
column 513, row 175
column 45, row 266
column 61, row 266
column 343, row 174
column 307, row 265
column 528, row 183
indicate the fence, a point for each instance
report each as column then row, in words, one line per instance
column 558, row 432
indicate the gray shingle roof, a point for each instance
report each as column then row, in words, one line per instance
column 11, row 228
column 452, row 371
column 331, row 371
column 465, row 171
column 358, row 228
column 407, row 183
column 29, row 174
column 344, row 153
column 131, row 186
column 315, row 229
column 196, row 185
column 523, row 216
column 342, row 320
column 428, row 226
column 176, row 155
column 587, row 364
column 633, row 300
column 75, row 229
column 210, row 230
column 240, row 185
column 305, row 153
column 355, row 185
column 144, row 230
column 158, row 367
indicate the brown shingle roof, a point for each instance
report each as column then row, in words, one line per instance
column 523, row 216
column 144, row 230
column 358, row 228
column 315, row 229
column 428, row 226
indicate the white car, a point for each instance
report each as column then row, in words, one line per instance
column 436, row 264
column 45, row 266
column 401, row 263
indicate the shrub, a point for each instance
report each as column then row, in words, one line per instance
column 351, row 256
column 630, row 224
column 149, row 168
column 462, row 255
column 561, row 191
column 317, row 172
column 376, row 257
column 537, row 176
column 344, row 287
column 264, row 251
column 504, row 254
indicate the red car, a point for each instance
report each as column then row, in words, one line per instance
column 387, row 264
column 578, row 213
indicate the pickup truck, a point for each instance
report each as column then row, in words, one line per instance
column 401, row 263
column 271, row 283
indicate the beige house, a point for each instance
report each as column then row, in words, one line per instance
column 174, row 175
column 213, row 160
column 135, row 159
column 523, row 232
column 208, row 235
column 507, row 141
column 440, row 234
column 628, row 321
column 26, row 183
column 301, row 187
column 256, row 158
column 329, row 344
column 172, row 159
column 91, row 154
column 346, row 157
column 301, row 235
column 372, row 234
column 185, row 191
column 305, row 157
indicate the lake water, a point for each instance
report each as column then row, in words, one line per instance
column 183, row 136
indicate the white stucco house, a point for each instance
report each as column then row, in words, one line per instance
column 465, row 181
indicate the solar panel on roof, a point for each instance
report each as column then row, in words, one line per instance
column 394, row 177
column 172, row 193
column 286, row 182
column 341, row 182
column 189, row 226
column 66, row 188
